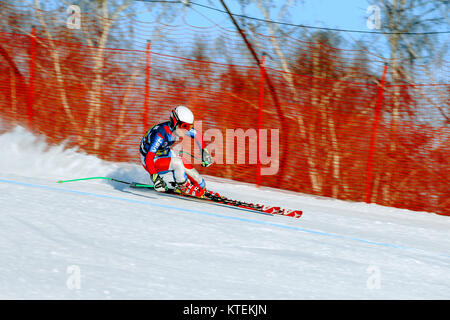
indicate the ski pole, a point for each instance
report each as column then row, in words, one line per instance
column 192, row 156
column 131, row 184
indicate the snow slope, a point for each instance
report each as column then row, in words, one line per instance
column 98, row 240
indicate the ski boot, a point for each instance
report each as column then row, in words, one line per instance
column 190, row 189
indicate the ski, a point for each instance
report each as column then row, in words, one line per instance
column 215, row 198
column 256, row 207
column 171, row 193
column 210, row 197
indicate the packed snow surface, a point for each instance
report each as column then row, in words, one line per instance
column 101, row 240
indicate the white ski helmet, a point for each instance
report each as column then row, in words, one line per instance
column 182, row 117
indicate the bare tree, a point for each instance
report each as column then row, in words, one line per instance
column 320, row 101
column 103, row 24
column 408, row 26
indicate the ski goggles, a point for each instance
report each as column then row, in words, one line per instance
column 186, row 126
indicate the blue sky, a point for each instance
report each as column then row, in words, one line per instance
column 344, row 14
column 340, row 14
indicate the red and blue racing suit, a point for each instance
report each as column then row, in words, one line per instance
column 157, row 157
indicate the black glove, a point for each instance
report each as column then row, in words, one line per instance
column 158, row 183
column 206, row 158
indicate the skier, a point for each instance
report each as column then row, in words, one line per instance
column 158, row 158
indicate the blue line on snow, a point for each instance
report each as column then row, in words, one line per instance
column 321, row 233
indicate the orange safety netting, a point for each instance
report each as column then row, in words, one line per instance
column 103, row 101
